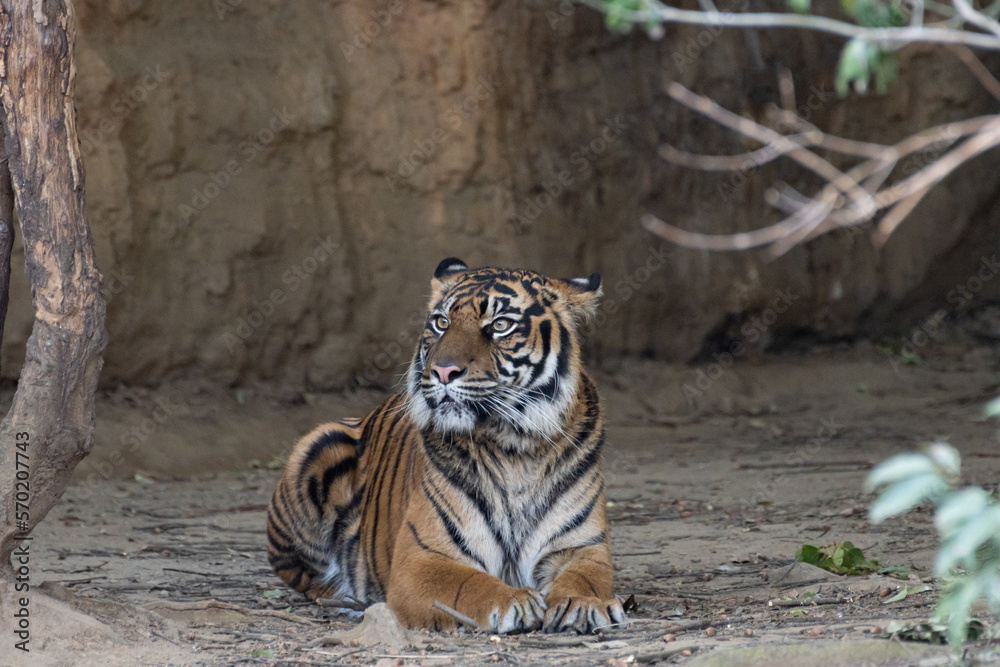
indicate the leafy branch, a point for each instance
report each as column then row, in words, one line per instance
column 967, row 521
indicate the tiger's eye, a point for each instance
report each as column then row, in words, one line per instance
column 441, row 322
column 502, row 325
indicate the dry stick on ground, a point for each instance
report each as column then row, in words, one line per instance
column 458, row 616
column 54, row 403
column 805, row 602
column 829, row 209
column 334, row 603
column 202, row 605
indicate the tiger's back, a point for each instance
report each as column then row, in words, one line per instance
column 479, row 486
column 343, row 480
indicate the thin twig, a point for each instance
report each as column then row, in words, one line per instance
column 201, row 605
column 786, row 88
column 689, row 625
column 765, row 135
column 460, row 617
column 923, row 33
column 977, row 19
column 555, row 642
column 809, row 217
column 335, row 603
column 805, row 602
column 811, row 464
column 978, row 69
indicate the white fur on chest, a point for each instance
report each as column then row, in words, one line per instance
column 520, row 527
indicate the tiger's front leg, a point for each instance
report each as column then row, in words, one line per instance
column 423, row 572
column 580, row 598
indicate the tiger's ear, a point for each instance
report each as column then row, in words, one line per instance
column 445, row 274
column 582, row 294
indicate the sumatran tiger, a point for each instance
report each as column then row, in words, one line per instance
column 478, row 486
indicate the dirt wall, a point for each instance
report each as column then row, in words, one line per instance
column 271, row 184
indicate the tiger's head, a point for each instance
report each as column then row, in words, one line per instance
column 499, row 352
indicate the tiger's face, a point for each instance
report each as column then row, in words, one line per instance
column 499, row 352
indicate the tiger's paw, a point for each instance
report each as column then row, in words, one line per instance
column 583, row 614
column 522, row 611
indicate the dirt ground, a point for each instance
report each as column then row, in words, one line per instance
column 709, row 499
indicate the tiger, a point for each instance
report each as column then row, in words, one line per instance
column 479, row 485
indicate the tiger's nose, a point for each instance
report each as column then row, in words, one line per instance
column 447, row 373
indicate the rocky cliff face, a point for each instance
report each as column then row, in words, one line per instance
column 272, row 183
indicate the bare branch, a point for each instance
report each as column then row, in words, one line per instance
column 809, row 217
column 923, row 33
column 766, row 135
column 740, row 162
column 977, row 19
column 977, row 68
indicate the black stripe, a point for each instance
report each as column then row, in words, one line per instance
column 582, row 466
column 314, row 495
column 545, row 332
column 455, row 534
column 458, row 593
column 332, row 437
column 343, row 467
column 420, row 542
column 459, row 473
column 569, row 603
column 579, row 518
column 377, row 495
column 551, row 386
column 274, row 545
column 296, row 535
column 587, row 579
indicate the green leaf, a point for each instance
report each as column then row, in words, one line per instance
column 897, row 571
column 261, row 653
column 945, row 457
column 853, row 66
column 960, row 547
column 904, row 591
column 799, row 6
column 993, row 407
column 957, row 508
column 885, row 71
column 906, row 495
column 954, row 608
column 808, row 553
column 900, row 595
column 899, row 467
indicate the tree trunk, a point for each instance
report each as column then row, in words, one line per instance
column 6, row 230
column 50, row 426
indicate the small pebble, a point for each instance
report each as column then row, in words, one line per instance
column 885, row 592
column 669, row 638
column 710, row 632
column 816, row 630
column 748, row 633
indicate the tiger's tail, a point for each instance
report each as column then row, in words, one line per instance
column 314, row 511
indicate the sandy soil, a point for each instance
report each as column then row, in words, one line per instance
column 709, row 501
